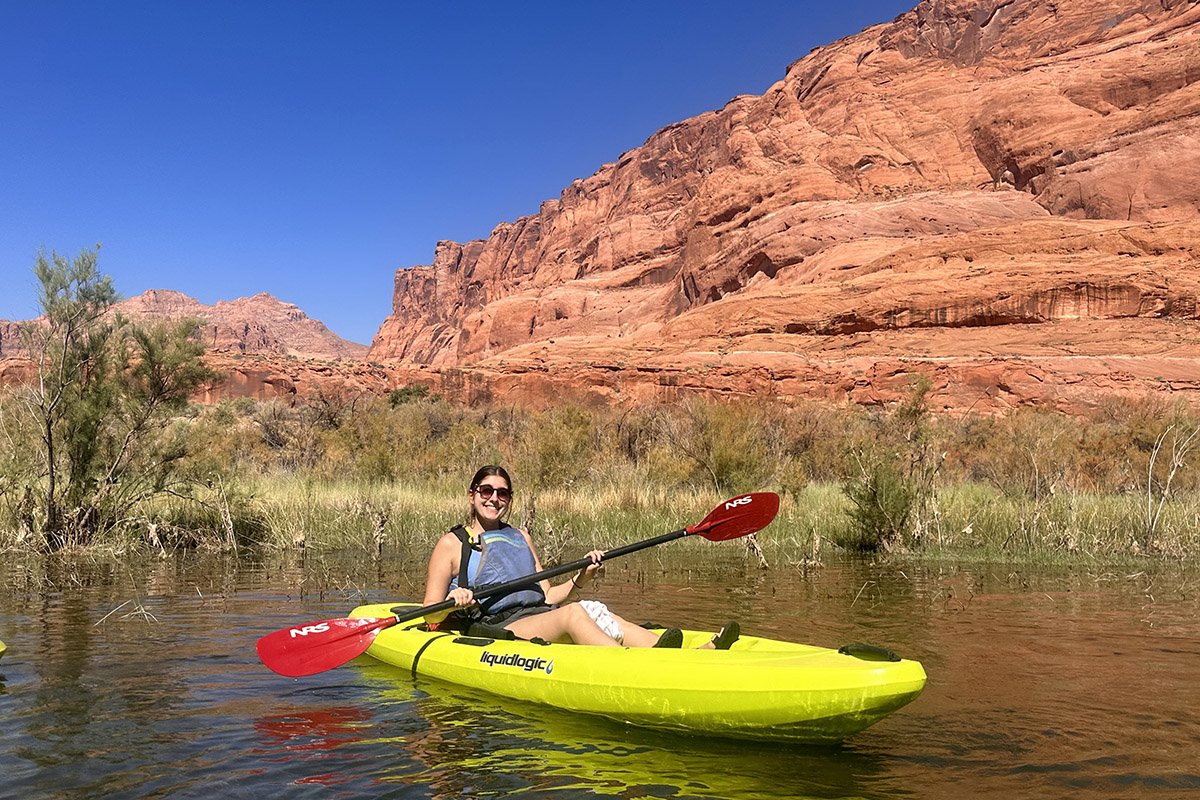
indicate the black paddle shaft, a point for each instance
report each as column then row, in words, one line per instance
column 552, row 572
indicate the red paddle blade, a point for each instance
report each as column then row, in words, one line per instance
column 309, row 649
column 738, row 516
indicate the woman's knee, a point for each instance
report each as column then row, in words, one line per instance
column 581, row 618
column 541, row 625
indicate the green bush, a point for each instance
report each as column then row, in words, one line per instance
column 410, row 394
column 726, row 444
column 882, row 502
column 897, row 465
column 110, row 404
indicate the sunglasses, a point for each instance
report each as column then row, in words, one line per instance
column 485, row 492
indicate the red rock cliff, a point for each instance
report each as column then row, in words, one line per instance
column 1003, row 194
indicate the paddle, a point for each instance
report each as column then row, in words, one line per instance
column 314, row 648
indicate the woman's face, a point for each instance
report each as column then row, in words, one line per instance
column 490, row 499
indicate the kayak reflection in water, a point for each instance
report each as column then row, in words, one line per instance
column 488, row 551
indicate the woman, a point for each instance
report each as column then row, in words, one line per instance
column 497, row 552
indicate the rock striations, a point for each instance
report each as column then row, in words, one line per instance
column 1001, row 194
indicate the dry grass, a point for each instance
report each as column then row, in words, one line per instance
column 373, row 480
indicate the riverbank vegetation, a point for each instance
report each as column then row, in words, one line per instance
column 95, row 436
column 104, row 448
column 373, row 473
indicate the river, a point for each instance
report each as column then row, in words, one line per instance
column 138, row 678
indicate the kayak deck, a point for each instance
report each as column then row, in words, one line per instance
column 759, row 689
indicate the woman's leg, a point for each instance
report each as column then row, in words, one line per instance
column 636, row 635
column 569, row 623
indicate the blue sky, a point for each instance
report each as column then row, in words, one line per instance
column 309, row 149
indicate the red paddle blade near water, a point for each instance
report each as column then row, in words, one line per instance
column 738, row 516
column 318, row 646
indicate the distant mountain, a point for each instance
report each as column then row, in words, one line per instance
column 258, row 325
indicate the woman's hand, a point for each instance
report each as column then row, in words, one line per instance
column 461, row 597
column 585, row 575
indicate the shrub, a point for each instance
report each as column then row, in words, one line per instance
column 104, row 402
column 897, row 467
column 882, row 502
column 556, row 448
column 724, row 443
column 410, row 394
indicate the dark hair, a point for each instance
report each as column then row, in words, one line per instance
column 487, row 472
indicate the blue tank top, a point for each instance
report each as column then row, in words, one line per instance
column 504, row 556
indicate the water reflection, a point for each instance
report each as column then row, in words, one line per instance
column 554, row 751
column 1043, row 683
column 456, row 741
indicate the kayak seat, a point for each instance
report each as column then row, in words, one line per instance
column 481, row 629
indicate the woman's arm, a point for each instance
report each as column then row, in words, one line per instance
column 565, row 591
column 442, row 566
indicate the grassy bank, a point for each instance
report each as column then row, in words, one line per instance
column 369, row 474
column 967, row 522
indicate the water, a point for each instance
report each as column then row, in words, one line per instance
column 139, row 679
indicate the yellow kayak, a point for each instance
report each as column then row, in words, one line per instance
column 760, row 689
column 3, row 647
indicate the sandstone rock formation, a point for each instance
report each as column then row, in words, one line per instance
column 10, row 339
column 261, row 347
column 258, row 325
column 264, row 377
column 1001, row 194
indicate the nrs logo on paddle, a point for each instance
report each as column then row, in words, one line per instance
column 518, row 661
column 307, row 629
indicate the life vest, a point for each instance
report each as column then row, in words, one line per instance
column 503, row 555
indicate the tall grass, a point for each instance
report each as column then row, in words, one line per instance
column 375, row 476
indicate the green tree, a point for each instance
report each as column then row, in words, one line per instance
column 104, row 399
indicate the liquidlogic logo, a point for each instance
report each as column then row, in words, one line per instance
column 518, row 661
